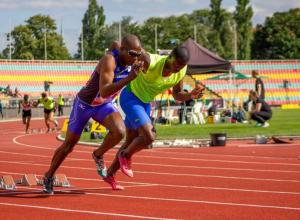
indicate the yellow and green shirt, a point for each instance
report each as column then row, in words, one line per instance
column 60, row 100
column 146, row 86
column 48, row 104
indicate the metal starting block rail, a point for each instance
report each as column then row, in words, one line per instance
column 61, row 180
column 29, row 180
column 32, row 180
column 7, row 182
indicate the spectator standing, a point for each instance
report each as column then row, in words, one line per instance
column 61, row 103
column 259, row 85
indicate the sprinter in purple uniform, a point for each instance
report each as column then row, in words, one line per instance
column 114, row 70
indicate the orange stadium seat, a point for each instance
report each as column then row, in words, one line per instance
column 29, row 76
column 273, row 72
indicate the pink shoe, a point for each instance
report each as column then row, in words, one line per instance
column 125, row 165
column 113, row 183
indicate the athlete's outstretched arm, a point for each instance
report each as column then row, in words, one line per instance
column 180, row 95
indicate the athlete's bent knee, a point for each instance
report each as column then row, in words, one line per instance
column 118, row 132
column 149, row 138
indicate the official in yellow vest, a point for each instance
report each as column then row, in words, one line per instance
column 49, row 108
column 61, row 103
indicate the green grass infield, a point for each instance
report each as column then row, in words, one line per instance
column 283, row 123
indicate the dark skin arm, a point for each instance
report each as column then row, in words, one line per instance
column 259, row 90
column 106, row 68
column 55, row 104
column 257, row 108
column 180, row 95
column 35, row 104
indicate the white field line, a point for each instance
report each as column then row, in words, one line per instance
column 164, row 151
column 161, row 157
column 189, row 201
column 174, row 186
column 165, row 173
column 80, row 211
column 157, row 164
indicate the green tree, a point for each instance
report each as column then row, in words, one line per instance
column 243, row 16
column 171, row 31
column 128, row 26
column 25, row 44
column 147, row 33
column 201, row 18
column 278, row 37
column 93, row 32
column 216, row 19
column 28, row 41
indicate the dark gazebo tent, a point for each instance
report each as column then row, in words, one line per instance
column 204, row 61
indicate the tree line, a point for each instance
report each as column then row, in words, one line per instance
column 230, row 35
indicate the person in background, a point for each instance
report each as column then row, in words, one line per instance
column 25, row 105
column 239, row 114
column 186, row 106
column 261, row 112
column 49, row 108
column 1, row 109
column 9, row 91
column 259, row 85
column 61, row 103
column 17, row 93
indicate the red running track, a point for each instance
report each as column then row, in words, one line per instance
column 239, row 181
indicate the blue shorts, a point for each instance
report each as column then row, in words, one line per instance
column 82, row 112
column 137, row 112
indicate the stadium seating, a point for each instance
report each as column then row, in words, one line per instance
column 281, row 79
column 67, row 77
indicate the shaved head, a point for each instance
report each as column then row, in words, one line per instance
column 130, row 49
column 130, row 41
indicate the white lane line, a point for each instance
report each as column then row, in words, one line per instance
column 160, row 151
column 174, row 186
column 12, row 132
column 198, row 201
column 183, row 200
column 169, row 200
column 72, row 189
column 80, row 211
column 158, row 164
column 267, row 145
column 161, row 157
column 163, row 150
column 165, row 173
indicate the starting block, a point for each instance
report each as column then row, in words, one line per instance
column 61, row 180
column 7, row 182
column 32, row 180
column 29, row 180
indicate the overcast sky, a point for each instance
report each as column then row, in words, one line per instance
column 69, row 13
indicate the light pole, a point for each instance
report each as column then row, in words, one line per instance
column 9, row 39
column 82, row 54
column 195, row 33
column 235, row 40
column 45, row 41
column 155, row 35
column 120, row 31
